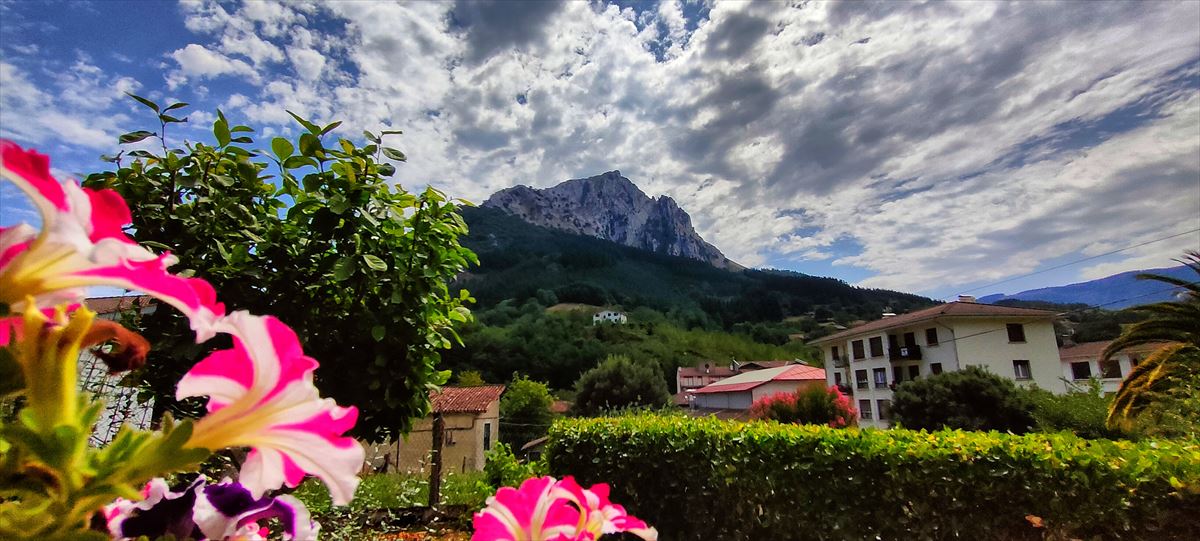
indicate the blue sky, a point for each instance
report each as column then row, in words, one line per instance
column 927, row 147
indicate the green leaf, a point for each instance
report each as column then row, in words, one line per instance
column 168, row 119
column 299, row 161
column 311, row 146
column 394, row 154
column 386, row 169
column 221, row 131
column 344, row 268
column 330, row 127
column 371, row 137
column 312, row 128
column 378, row 332
column 144, row 101
column 339, row 204
column 175, row 106
column 135, row 136
column 391, row 132
column 374, row 262
column 282, row 148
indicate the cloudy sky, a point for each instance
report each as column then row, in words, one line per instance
column 927, row 147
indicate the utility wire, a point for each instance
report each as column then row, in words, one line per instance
column 1056, row 267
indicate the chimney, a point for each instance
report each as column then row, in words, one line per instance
column 966, row 298
column 888, row 314
column 705, row 368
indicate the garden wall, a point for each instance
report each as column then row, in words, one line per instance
column 711, row 479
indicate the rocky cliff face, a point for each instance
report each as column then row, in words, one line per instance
column 611, row 207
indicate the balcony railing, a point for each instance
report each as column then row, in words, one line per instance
column 905, row 353
column 841, row 362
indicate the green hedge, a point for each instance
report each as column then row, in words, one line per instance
column 711, row 479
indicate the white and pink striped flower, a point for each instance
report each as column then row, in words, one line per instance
column 545, row 509
column 81, row 244
column 261, row 395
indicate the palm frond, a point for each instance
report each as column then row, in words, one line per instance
column 1156, row 373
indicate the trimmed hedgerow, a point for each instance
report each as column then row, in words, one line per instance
column 711, row 479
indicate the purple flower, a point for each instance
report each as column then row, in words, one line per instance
column 224, row 511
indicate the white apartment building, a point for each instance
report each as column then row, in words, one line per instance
column 609, row 316
column 867, row 361
column 1081, row 362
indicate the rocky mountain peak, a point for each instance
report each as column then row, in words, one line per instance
column 611, row 207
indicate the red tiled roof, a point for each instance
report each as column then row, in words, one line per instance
column 108, row 305
column 1092, row 350
column 950, row 309
column 465, row 399
column 765, row 364
column 560, row 406
column 754, row 378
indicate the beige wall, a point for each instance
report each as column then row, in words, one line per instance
column 985, row 343
column 462, row 450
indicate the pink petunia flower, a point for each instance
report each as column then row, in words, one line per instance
column 546, row 509
column 81, row 244
column 261, row 395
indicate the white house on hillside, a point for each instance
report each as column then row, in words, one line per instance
column 870, row 359
column 608, row 316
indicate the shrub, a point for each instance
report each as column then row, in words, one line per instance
column 525, row 411
column 504, row 469
column 619, row 382
column 815, row 405
column 1082, row 411
column 711, row 479
column 970, row 399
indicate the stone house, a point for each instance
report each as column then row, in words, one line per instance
column 472, row 427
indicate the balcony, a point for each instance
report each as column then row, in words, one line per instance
column 905, row 353
column 841, row 362
column 845, row 389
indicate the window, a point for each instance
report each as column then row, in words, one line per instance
column 910, row 339
column 864, row 409
column 837, row 378
column 931, row 338
column 880, row 378
column 835, row 354
column 1134, row 360
column 1016, row 332
column 885, row 410
column 935, row 368
column 914, row 372
column 858, row 349
column 860, row 379
column 898, row 374
column 877, row 347
column 1110, row 369
column 487, row 436
column 1081, row 370
column 1021, row 369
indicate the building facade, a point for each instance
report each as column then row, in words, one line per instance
column 608, row 316
column 869, row 360
column 1081, row 363
column 740, row 391
column 472, row 427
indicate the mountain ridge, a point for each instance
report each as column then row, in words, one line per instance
column 611, row 207
column 1113, row 292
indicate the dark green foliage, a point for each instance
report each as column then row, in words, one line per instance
column 701, row 479
column 525, row 411
column 1081, row 411
column 504, row 469
column 969, row 399
column 322, row 239
column 519, row 259
column 619, row 382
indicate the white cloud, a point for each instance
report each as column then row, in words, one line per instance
column 307, row 62
column 200, row 62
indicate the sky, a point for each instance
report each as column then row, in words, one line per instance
column 930, row 147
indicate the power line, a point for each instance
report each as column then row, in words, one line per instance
column 1056, row 267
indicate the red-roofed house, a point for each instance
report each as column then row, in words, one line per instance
column 1081, row 362
column 740, row 391
column 868, row 360
column 472, row 417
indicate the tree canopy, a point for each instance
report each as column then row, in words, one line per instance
column 310, row 229
column 969, row 399
column 619, row 382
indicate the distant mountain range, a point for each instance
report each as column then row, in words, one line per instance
column 611, row 207
column 1114, row 292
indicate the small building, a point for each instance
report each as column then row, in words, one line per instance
column 740, row 391
column 609, row 316
column 472, row 426
column 869, row 360
column 122, row 405
column 1081, row 362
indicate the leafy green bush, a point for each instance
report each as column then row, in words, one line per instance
column 969, row 399
column 814, row 406
column 504, row 469
column 711, row 479
column 619, row 382
column 1082, row 411
column 525, row 408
